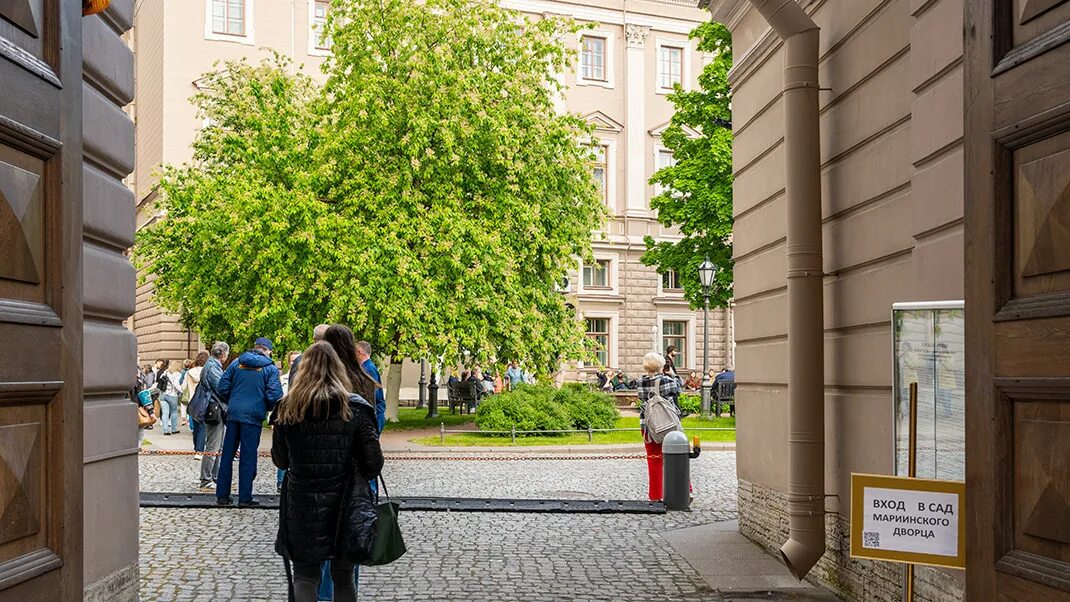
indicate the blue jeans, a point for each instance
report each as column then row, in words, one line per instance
column 200, row 433
column 169, row 413
column 279, row 475
column 326, row 591
column 248, row 437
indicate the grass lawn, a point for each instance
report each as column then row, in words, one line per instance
column 470, row 439
column 410, row 419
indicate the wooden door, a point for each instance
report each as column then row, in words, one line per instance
column 1017, row 208
column 40, row 300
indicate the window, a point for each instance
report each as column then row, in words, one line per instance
column 670, row 282
column 596, row 275
column 228, row 17
column 670, row 66
column 593, row 58
column 319, row 23
column 674, row 332
column 663, row 159
column 598, row 331
column 599, row 171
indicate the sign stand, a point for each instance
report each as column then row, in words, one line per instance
column 912, row 472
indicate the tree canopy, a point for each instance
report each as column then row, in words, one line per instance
column 697, row 191
column 427, row 194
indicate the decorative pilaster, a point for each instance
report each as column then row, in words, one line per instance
column 635, row 119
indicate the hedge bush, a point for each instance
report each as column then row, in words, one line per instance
column 691, row 403
column 543, row 408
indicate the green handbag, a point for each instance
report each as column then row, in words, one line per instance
column 389, row 544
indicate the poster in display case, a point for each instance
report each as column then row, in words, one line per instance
column 929, row 349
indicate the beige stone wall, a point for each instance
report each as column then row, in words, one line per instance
column 110, row 443
column 891, row 157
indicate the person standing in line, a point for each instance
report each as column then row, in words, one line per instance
column 159, row 366
column 190, row 383
column 326, row 438
column 167, row 385
column 317, row 336
column 654, row 383
column 250, row 388
column 364, row 356
column 213, row 433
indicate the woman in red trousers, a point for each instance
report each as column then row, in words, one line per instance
column 668, row 386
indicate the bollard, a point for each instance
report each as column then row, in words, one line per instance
column 676, row 471
column 442, row 433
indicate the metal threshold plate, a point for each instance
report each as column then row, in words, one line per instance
column 432, row 504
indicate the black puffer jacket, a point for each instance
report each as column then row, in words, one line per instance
column 319, row 458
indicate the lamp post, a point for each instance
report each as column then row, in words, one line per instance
column 423, row 385
column 432, row 395
column 706, row 272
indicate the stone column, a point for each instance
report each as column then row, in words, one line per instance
column 635, row 119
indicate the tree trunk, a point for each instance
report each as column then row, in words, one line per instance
column 393, row 388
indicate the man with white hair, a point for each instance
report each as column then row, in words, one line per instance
column 317, row 335
column 210, row 375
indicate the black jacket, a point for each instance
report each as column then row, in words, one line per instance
column 320, row 458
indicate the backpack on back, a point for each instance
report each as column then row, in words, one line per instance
column 661, row 418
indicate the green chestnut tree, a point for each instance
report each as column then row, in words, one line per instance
column 427, row 195
column 697, row 191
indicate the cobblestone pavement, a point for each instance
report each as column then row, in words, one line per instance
column 452, row 556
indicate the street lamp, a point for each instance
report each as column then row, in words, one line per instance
column 706, row 272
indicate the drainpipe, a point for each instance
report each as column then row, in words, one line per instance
column 806, row 369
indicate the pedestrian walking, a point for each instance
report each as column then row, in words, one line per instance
column 651, row 384
column 250, row 388
column 167, row 385
column 190, row 383
column 326, row 438
column 214, row 425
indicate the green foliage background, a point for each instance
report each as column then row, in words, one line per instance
column 543, row 408
column 427, row 194
column 697, row 195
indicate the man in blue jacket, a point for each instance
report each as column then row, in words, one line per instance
column 364, row 356
column 250, row 387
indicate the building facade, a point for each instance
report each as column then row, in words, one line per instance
column 891, row 128
column 627, row 63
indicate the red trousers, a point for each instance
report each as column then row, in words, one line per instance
column 653, row 467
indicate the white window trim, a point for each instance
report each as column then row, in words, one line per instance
column 658, row 149
column 248, row 39
column 611, row 170
column 614, row 288
column 671, row 294
column 608, row 37
column 691, row 320
column 614, row 323
column 685, row 63
column 313, row 49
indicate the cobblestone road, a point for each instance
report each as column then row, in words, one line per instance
column 452, row 556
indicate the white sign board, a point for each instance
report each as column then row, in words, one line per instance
column 907, row 520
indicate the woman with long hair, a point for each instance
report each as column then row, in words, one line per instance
column 325, row 438
column 189, row 386
column 341, row 339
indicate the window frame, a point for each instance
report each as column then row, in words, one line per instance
column 613, row 322
column 611, row 276
column 689, row 349
column 314, row 48
column 609, row 193
column 607, row 67
column 608, row 266
column 673, row 275
column 684, row 46
column 597, row 335
column 681, row 341
column 248, row 38
column 658, row 151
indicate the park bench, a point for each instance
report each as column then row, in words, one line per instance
column 726, row 393
column 464, row 394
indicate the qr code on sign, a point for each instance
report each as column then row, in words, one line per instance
column 871, row 539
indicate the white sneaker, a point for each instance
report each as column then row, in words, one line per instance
column 198, row 456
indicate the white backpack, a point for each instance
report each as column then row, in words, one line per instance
column 660, row 417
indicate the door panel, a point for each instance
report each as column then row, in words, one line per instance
column 40, row 299
column 1018, row 299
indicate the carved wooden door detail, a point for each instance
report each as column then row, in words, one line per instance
column 1018, row 299
column 40, row 300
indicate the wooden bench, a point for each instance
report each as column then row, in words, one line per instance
column 464, row 394
column 726, row 393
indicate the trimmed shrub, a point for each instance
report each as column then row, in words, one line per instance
column 691, row 403
column 528, row 408
column 588, row 408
